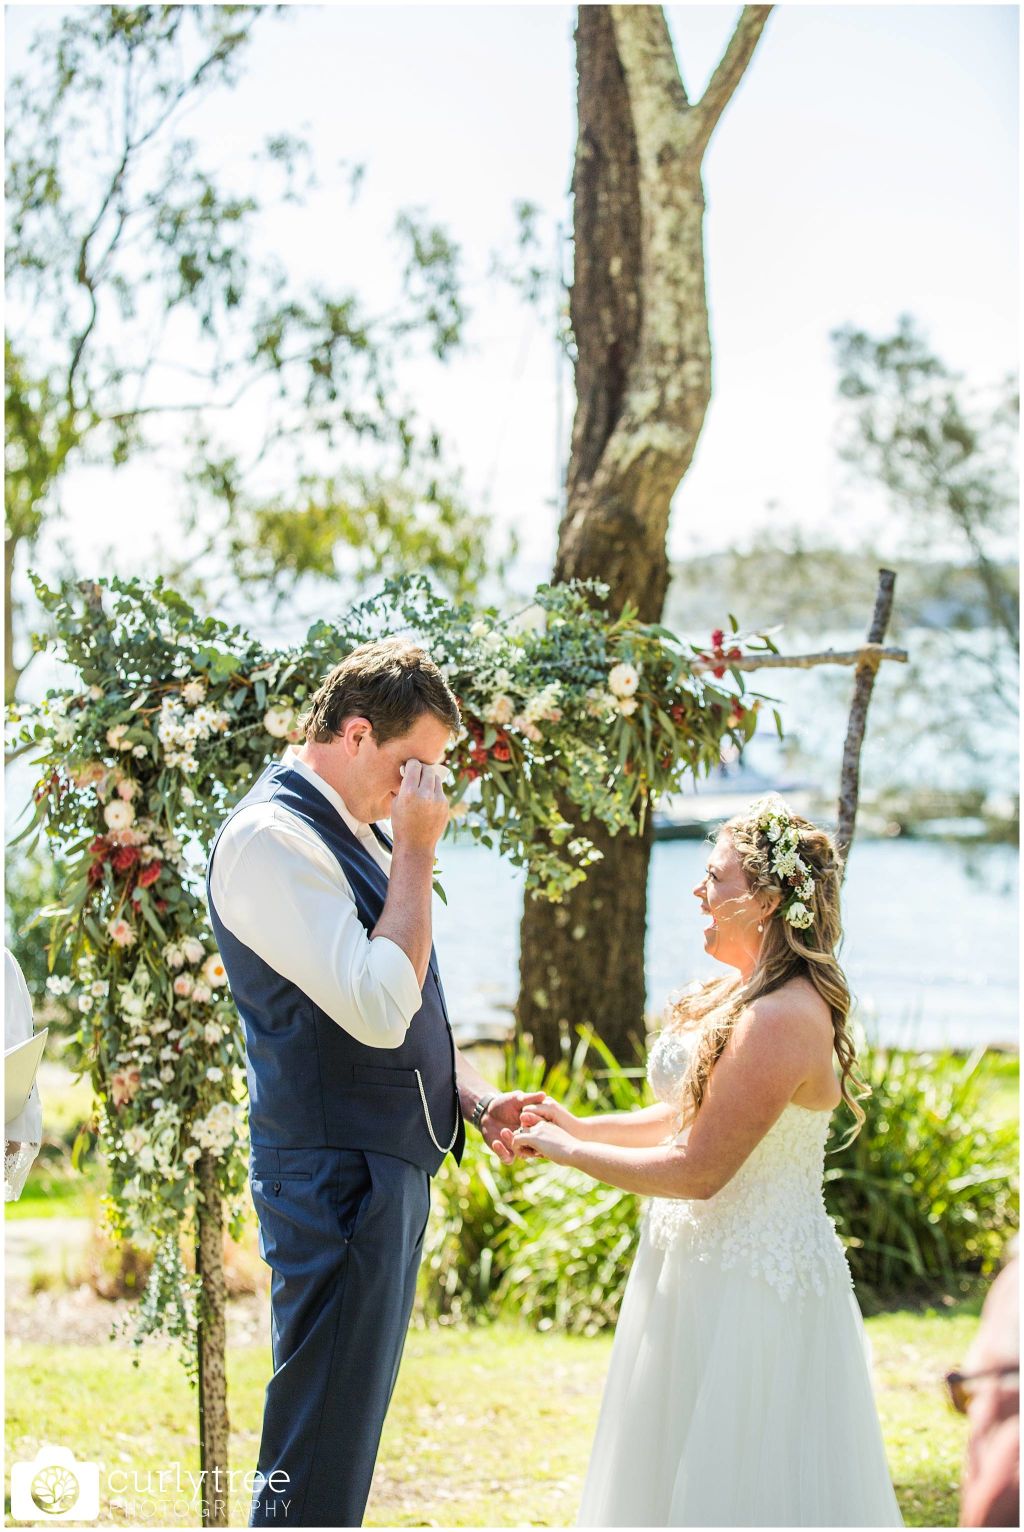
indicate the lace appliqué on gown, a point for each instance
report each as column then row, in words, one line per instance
column 771, row 1216
column 18, row 1160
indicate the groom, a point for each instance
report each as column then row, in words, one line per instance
column 356, row 1088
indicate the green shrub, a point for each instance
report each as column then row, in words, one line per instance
column 925, row 1195
column 928, row 1190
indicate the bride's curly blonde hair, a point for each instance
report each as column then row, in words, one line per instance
column 786, row 953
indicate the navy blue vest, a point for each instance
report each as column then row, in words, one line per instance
column 311, row 1084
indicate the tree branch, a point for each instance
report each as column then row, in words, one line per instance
column 849, row 779
column 869, row 656
column 728, row 74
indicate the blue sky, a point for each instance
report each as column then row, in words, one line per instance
column 867, row 166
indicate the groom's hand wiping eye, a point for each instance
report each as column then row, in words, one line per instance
column 419, row 812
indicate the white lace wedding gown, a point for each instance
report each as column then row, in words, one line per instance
column 738, row 1393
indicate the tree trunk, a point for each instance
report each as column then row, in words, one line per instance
column 212, row 1339
column 643, row 381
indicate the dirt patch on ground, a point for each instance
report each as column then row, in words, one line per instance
column 77, row 1317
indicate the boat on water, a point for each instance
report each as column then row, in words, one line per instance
column 700, row 808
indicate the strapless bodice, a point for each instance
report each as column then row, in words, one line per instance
column 771, row 1215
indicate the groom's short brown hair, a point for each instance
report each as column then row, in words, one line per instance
column 391, row 683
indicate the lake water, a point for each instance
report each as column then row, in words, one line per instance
column 930, row 948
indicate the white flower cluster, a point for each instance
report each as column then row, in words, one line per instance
column 216, row 1131
column 179, row 731
column 623, row 680
column 786, row 862
column 154, row 1147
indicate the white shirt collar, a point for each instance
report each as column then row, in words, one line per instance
column 358, row 828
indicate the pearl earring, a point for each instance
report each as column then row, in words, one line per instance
column 760, row 927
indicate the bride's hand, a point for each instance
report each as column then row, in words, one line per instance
column 544, row 1138
column 550, row 1110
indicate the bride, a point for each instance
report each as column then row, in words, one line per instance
column 738, row 1391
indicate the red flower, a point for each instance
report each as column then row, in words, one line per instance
column 124, row 858
column 734, row 654
column 501, row 751
column 161, row 905
column 150, row 873
column 95, row 874
column 100, row 847
column 718, row 672
column 717, row 638
column 677, row 712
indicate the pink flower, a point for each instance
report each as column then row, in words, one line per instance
column 121, row 933
column 183, row 984
column 124, row 1084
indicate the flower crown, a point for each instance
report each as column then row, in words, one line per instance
column 797, row 880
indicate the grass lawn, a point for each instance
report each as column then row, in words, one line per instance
column 489, row 1426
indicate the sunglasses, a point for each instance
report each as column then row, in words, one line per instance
column 960, row 1386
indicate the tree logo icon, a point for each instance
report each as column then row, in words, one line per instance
column 54, row 1489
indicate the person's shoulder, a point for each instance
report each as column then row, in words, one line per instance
column 268, row 828
column 795, row 1007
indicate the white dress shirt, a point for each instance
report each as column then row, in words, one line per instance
column 279, row 889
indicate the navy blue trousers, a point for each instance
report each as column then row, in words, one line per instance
column 342, row 1232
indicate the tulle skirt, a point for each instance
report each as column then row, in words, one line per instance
column 728, row 1405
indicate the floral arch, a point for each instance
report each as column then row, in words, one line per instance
column 171, row 717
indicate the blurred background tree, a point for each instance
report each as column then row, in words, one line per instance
column 146, row 310
column 938, row 458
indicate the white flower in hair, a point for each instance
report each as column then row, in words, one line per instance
column 774, row 821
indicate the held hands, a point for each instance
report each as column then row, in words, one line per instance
column 420, row 812
column 504, row 1115
column 547, row 1129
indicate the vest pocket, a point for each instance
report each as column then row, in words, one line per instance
column 374, row 1074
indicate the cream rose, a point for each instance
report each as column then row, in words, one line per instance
column 279, row 721
column 119, row 815
column 623, row 680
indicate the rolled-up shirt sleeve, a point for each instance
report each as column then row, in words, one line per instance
column 279, row 890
